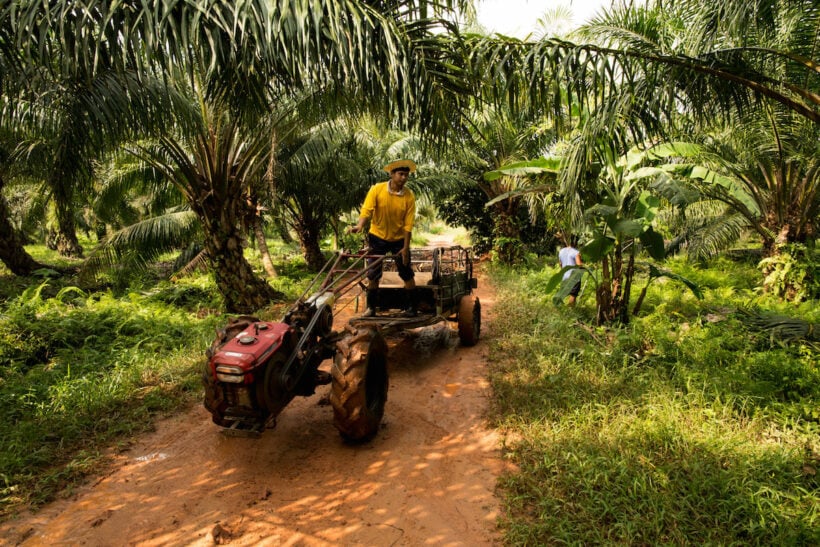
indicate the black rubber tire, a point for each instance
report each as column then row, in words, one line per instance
column 358, row 389
column 469, row 320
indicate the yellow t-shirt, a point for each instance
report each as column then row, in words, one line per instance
column 391, row 216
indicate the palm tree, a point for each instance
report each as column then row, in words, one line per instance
column 497, row 138
column 321, row 173
column 69, row 110
column 140, row 215
column 213, row 172
column 768, row 150
column 641, row 67
column 12, row 253
column 774, row 167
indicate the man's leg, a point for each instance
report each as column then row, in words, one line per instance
column 573, row 294
column 410, row 298
column 407, row 275
column 374, row 274
column 372, row 298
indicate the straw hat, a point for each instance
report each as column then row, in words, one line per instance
column 398, row 164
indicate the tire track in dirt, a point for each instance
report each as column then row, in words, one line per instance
column 427, row 478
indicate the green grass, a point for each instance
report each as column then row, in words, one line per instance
column 82, row 371
column 684, row 427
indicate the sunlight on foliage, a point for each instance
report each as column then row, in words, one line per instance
column 684, row 427
column 80, row 370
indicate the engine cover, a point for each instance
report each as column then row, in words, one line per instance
column 251, row 347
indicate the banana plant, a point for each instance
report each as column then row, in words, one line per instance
column 622, row 223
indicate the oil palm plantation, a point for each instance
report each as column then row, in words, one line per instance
column 239, row 60
column 497, row 138
column 652, row 73
column 320, row 174
column 757, row 157
column 384, row 57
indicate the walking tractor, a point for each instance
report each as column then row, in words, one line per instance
column 255, row 368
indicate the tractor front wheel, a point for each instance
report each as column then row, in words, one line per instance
column 358, row 389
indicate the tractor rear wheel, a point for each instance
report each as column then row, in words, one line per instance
column 358, row 389
column 469, row 320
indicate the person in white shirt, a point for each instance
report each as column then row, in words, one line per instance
column 570, row 256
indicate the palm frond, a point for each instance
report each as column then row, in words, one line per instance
column 781, row 329
column 147, row 240
column 704, row 237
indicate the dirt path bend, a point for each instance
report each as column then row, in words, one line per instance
column 427, row 478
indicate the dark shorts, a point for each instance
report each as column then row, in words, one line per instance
column 575, row 289
column 379, row 246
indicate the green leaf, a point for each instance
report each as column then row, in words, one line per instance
column 555, row 280
column 645, row 172
column 568, row 283
column 524, row 168
column 732, row 187
column 597, row 249
column 675, row 150
column 647, row 207
column 540, row 189
column 607, row 212
column 653, row 243
column 677, row 193
column 628, row 228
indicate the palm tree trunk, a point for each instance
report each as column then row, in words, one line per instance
column 259, row 233
column 507, row 238
column 12, row 253
column 65, row 241
column 241, row 289
column 309, row 241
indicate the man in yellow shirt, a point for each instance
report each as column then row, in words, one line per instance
column 391, row 210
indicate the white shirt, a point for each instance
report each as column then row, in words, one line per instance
column 566, row 257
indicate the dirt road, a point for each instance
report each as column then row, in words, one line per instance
column 426, row 479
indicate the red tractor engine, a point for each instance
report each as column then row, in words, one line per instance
column 242, row 375
column 241, row 356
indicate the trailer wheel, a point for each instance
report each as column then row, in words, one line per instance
column 358, row 389
column 469, row 320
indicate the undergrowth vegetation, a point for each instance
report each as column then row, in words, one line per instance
column 87, row 363
column 84, row 370
column 689, row 426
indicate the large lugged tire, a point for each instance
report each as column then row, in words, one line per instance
column 469, row 320
column 358, row 389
